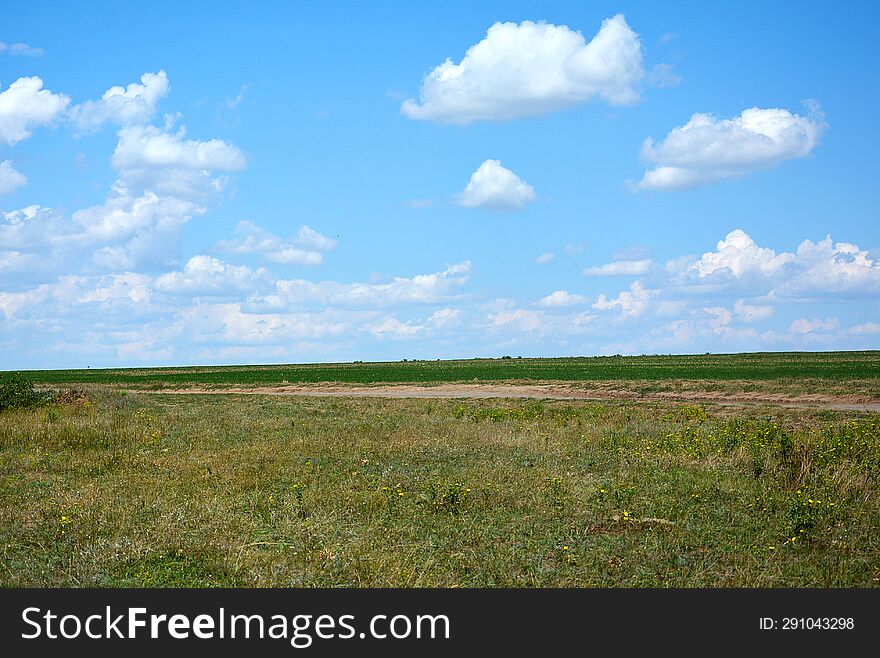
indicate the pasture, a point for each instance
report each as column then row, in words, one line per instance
column 144, row 488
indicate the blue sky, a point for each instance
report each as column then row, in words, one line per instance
column 302, row 182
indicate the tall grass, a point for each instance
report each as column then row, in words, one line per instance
column 171, row 490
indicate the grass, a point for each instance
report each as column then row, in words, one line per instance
column 146, row 489
column 779, row 367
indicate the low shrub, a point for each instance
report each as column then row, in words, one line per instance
column 16, row 392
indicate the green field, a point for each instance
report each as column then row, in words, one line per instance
column 109, row 486
column 773, row 366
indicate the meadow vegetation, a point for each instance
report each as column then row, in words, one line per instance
column 150, row 489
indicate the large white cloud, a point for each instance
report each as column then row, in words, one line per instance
column 167, row 163
column 125, row 232
column 816, row 269
column 10, row 179
column 24, row 105
column 135, row 103
column 149, row 147
column 529, row 69
column 707, row 149
column 738, row 255
column 205, row 275
column 495, row 187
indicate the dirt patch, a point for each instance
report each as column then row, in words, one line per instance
column 550, row 392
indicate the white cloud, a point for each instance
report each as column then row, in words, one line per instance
column 750, row 312
column 805, row 326
column 135, row 103
column 573, row 249
column 394, row 328
column 662, row 76
column 12, row 302
column 294, row 256
column 420, row 289
column 309, row 237
column 19, row 49
column 305, row 249
column 233, row 103
column 204, row 275
column 621, row 268
column 721, row 317
column 136, row 231
column 497, row 188
column 833, row 268
column 148, row 147
column 561, row 298
column 866, row 329
column 816, row 269
column 631, row 303
column 10, row 179
column 518, row 319
column 738, row 255
column 543, row 259
column 532, row 69
column 227, row 323
column 152, row 159
column 129, row 286
column 446, row 317
column 707, row 149
column 24, row 105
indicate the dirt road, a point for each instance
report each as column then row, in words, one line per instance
column 548, row 392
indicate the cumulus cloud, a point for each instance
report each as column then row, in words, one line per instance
column 136, row 231
column 205, row 275
column 529, row 69
column 517, row 319
column 149, row 147
column 815, row 269
column 621, row 268
column 228, row 323
column 707, row 149
column 169, row 164
column 496, row 188
column 309, row 237
column 125, row 232
column 394, row 328
column 561, row 298
column 631, row 303
column 738, row 255
column 420, row 289
column 446, row 317
column 130, row 286
column 720, row 317
column 135, row 103
column 805, row 326
column 751, row 312
column 543, row 259
column 24, row 105
column 305, row 249
column 10, row 179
